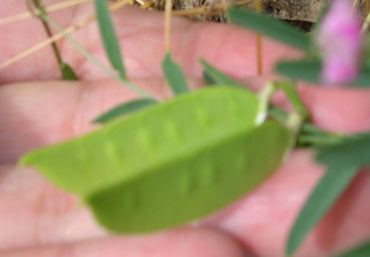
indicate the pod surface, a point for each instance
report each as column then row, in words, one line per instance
column 170, row 163
column 133, row 145
column 193, row 186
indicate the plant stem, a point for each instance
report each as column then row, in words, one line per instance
column 281, row 116
column 319, row 140
column 42, row 11
column 93, row 60
column 48, row 31
column 167, row 27
column 309, row 133
column 66, row 71
column 258, row 8
column 264, row 96
column 291, row 93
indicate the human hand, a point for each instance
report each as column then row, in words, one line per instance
column 40, row 220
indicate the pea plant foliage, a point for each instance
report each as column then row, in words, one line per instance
column 155, row 165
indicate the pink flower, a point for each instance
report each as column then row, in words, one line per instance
column 340, row 41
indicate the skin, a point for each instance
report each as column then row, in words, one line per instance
column 37, row 109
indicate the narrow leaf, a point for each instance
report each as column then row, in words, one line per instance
column 354, row 149
column 108, row 36
column 270, row 27
column 324, row 195
column 310, row 70
column 212, row 76
column 124, row 109
column 209, row 81
column 281, row 116
column 344, row 159
column 362, row 250
column 67, row 72
column 174, row 76
column 291, row 93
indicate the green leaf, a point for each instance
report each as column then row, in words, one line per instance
column 215, row 77
column 174, row 76
column 363, row 79
column 67, row 72
column 270, row 27
column 362, row 250
column 209, row 81
column 343, row 160
column 291, row 93
column 124, row 109
column 354, row 149
column 169, row 163
column 324, row 195
column 310, row 70
column 108, row 36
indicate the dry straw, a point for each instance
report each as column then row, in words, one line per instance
column 205, row 10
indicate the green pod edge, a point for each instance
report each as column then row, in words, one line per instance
column 193, row 186
column 131, row 146
column 170, row 163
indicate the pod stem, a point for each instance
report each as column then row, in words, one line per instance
column 304, row 132
column 308, row 134
column 264, row 96
column 288, row 87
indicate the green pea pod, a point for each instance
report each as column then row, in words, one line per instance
column 193, row 186
column 169, row 163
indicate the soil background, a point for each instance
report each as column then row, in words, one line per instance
column 302, row 10
column 295, row 10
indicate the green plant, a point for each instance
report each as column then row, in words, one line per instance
column 236, row 121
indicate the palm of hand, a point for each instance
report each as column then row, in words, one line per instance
column 39, row 220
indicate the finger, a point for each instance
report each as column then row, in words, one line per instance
column 267, row 214
column 186, row 242
column 361, row 104
column 141, row 36
column 338, row 109
column 197, row 243
column 55, row 111
column 20, row 35
column 33, row 213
